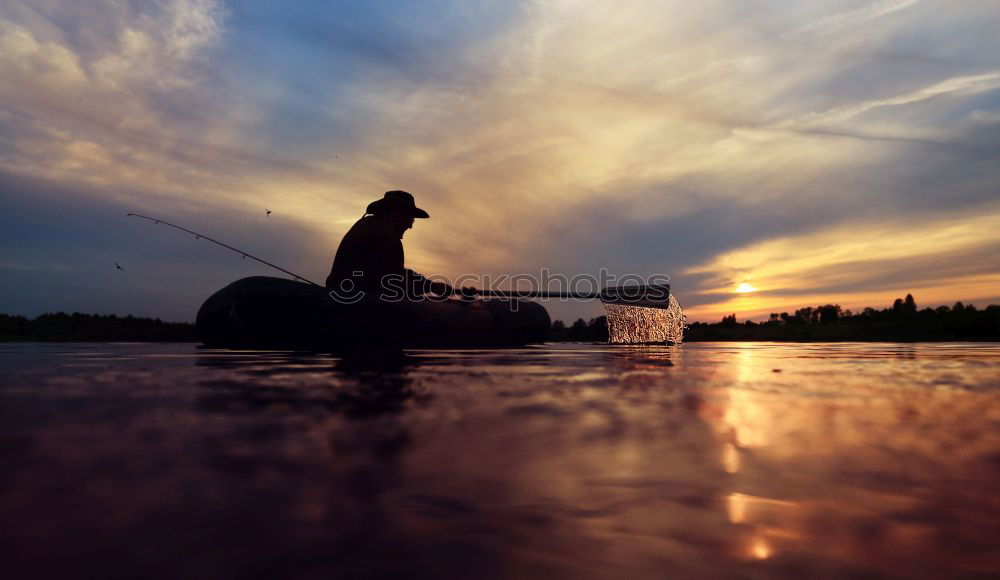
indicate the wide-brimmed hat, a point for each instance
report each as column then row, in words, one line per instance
column 396, row 201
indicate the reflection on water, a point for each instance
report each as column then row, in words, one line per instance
column 588, row 461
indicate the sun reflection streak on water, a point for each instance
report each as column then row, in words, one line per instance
column 730, row 458
column 761, row 550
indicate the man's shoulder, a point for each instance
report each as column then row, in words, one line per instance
column 370, row 227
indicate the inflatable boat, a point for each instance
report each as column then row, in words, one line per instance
column 266, row 312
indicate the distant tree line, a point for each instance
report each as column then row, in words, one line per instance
column 596, row 330
column 93, row 327
column 902, row 321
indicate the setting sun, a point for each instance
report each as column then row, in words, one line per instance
column 745, row 287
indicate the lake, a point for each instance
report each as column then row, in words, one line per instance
column 569, row 460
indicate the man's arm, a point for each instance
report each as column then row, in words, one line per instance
column 420, row 285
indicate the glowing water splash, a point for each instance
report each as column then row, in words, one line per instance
column 638, row 325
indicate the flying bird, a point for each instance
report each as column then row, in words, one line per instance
column 268, row 212
column 119, row 267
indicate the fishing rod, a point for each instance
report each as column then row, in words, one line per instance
column 198, row 236
column 646, row 295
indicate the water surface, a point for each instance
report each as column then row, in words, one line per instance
column 585, row 461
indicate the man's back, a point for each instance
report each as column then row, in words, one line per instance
column 371, row 247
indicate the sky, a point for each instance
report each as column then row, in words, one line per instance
column 766, row 155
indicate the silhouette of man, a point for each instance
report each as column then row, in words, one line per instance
column 373, row 249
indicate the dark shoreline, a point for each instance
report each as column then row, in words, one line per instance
column 58, row 339
column 901, row 323
column 847, row 340
column 77, row 327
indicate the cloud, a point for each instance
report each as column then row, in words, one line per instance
column 800, row 261
column 852, row 18
column 85, row 96
column 859, row 260
column 36, row 267
column 962, row 85
column 647, row 138
column 48, row 227
column 47, row 63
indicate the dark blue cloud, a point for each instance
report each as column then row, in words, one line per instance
column 59, row 244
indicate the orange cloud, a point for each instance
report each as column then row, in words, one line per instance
column 869, row 264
